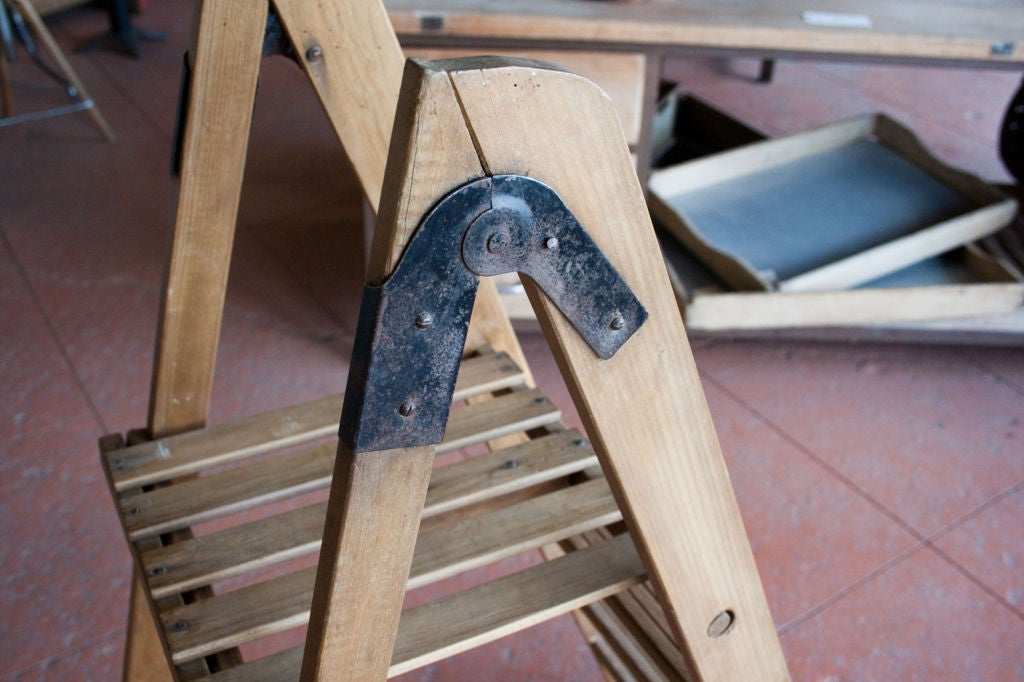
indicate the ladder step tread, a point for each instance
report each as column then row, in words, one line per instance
column 203, row 560
column 483, row 613
column 186, row 503
column 233, row 618
column 187, row 453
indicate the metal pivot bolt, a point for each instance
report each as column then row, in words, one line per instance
column 617, row 322
column 530, row 230
column 314, row 54
column 497, row 242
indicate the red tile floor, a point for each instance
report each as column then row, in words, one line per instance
column 882, row 486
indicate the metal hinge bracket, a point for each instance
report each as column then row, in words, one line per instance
column 412, row 329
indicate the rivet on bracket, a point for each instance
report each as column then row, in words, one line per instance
column 424, row 321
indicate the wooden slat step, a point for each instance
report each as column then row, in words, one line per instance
column 484, row 613
column 186, row 503
column 477, row 541
column 234, row 618
column 629, row 644
column 203, row 560
column 634, row 621
column 188, row 453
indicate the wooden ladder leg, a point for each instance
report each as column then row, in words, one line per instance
column 225, row 60
column 26, row 10
column 376, row 498
column 644, row 408
column 357, row 74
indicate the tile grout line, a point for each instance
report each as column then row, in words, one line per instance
column 967, row 516
column 849, row 589
column 976, row 580
column 922, row 540
column 52, row 331
column 959, row 567
column 965, row 357
column 900, row 558
column 831, row 470
column 265, row 246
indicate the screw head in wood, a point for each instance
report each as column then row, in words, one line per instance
column 407, row 408
column 181, row 625
column 314, row 54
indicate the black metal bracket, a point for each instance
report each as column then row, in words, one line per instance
column 412, row 329
column 530, row 230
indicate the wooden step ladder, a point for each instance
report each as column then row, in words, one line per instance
column 655, row 525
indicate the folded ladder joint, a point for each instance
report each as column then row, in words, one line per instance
column 530, row 230
column 412, row 328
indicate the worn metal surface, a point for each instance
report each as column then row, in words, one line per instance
column 412, row 329
column 403, row 370
column 531, row 231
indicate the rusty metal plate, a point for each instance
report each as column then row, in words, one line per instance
column 412, row 329
column 411, row 333
column 530, row 230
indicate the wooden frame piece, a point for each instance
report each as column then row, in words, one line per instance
column 225, row 65
column 978, row 287
column 669, row 481
column 950, row 32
